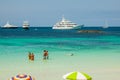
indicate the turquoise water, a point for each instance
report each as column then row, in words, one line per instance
column 97, row 55
column 19, row 47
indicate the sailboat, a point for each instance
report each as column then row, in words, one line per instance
column 106, row 24
column 26, row 25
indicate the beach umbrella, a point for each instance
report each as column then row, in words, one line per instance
column 77, row 76
column 22, row 77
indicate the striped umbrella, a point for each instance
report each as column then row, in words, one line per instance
column 21, row 77
column 77, row 76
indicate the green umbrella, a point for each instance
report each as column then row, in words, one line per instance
column 77, row 76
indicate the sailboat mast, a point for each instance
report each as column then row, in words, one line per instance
column 106, row 24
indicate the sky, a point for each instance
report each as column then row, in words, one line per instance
column 48, row 12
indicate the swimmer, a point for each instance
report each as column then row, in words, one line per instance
column 70, row 54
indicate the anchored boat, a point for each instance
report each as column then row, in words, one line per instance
column 9, row 26
column 66, row 24
column 26, row 25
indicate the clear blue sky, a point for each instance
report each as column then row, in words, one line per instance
column 48, row 12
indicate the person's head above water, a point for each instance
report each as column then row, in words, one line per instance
column 44, row 50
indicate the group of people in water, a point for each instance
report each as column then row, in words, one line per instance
column 31, row 55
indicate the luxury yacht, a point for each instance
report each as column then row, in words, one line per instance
column 66, row 24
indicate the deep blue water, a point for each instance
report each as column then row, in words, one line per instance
column 46, row 37
column 48, row 32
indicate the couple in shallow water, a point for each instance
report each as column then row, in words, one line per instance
column 31, row 56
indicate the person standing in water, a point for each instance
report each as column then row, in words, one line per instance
column 29, row 55
column 32, row 57
column 45, row 55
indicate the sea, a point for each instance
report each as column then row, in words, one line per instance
column 97, row 54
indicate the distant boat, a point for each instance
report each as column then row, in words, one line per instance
column 106, row 24
column 26, row 25
column 66, row 24
column 9, row 26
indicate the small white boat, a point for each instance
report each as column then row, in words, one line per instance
column 66, row 24
column 7, row 25
column 26, row 25
column 106, row 24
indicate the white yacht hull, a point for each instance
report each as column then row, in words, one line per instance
column 9, row 27
column 25, row 27
column 76, row 27
column 62, row 28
